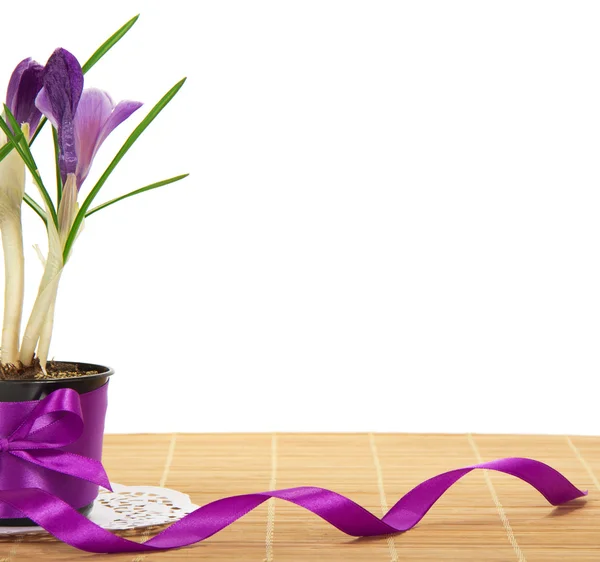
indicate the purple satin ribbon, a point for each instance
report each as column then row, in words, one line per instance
column 54, row 444
column 65, row 523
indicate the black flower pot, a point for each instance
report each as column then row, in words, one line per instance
column 14, row 472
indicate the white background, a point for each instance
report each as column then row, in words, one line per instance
column 392, row 221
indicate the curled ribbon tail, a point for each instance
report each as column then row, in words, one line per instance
column 66, row 524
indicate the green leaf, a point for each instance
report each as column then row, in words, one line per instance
column 6, row 150
column 59, row 184
column 14, row 124
column 152, row 115
column 34, row 205
column 23, row 149
column 136, row 192
column 109, row 44
column 14, row 140
column 98, row 54
column 38, row 130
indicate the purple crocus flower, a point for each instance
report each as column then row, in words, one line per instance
column 58, row 100
column 24, row 85
column 97, row 116
column 82, row 118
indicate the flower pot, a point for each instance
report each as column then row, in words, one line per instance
column 18, row 399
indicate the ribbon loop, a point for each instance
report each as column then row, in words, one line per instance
column 56, row 422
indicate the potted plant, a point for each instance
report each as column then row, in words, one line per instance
column 52, row 412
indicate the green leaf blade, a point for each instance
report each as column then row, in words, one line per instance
column 136, row 192
column 17, row 133
column 59, row 183
column 6, row 150
column 38, row 130
column 109, row 44
column 34, row 205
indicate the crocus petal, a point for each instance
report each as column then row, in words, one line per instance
column 96, row 118
column 43, row 104
column 63, row 84
column 15, row 80
column 23, row 87
column 63, row 81
column 122, row 111
column 94, row 110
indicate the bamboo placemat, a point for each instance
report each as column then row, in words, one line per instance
column 484, row 517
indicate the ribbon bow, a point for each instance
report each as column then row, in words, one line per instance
column 55, row 422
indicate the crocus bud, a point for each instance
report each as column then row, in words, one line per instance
column 23, row 87
column 62, row 86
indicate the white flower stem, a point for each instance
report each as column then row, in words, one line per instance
column 46, row 335
column 39, row 327
column 12, row 243
column 43, row 302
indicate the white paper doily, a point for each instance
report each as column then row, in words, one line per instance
column 129, row 507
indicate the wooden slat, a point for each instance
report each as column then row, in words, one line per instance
column 485, row 516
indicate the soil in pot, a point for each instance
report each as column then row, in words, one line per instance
column 54, row 370
column 33, row 384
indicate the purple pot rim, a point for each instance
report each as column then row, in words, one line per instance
column 105, row 371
